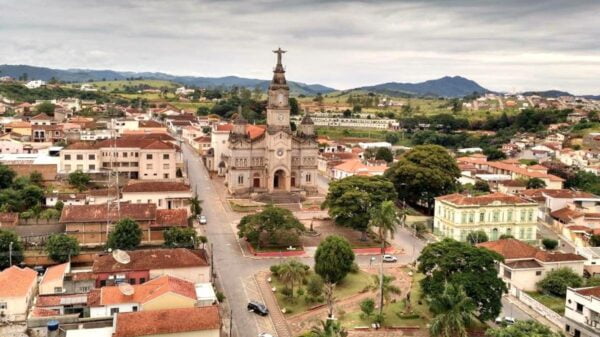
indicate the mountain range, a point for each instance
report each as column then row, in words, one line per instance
column 447, row 86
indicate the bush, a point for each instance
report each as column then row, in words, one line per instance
column 367, row 307
column 275, row 269
column 300, row 292
column 557, row 281
column 220, row 296
column 549, row 244
column 287, row 292
column 314, row 287
column 477, row 237
column 354, row 268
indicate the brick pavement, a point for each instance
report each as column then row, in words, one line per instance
column 274, row 311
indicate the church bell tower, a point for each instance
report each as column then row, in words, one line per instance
column 278, row 107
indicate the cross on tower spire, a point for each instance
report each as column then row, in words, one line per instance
column 279, row 52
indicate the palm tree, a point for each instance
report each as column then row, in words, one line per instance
column 329, row 328
column 453, row 311
column 195, row 205
column 388, row 287
column 385, row 218
column 292, row 272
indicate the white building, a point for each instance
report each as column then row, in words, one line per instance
column 582, row 312
column 35, row 84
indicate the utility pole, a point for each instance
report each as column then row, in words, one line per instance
column 230, row 321
column 10, row 245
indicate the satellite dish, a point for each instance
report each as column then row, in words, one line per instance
column 126, row 289
column 121, row 256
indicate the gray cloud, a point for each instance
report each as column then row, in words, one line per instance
column 508, row 45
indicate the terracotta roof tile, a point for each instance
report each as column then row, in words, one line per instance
column 16, row 282
column 593, row 291
column 164, row 322
column 566, row 214
column 255, row 131
column 55, row 273
column 171, row 218
column 41, row 116
column 98, row 213
column 486, row 199
column 155, row 186
column 513, row 249
column 148, row 291
column 42, row 312
column 225, row 127
column 58, row 300
column 523, row 264
column 150, row 259
column 150, row 124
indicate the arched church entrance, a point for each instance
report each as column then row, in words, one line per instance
column 279, row 180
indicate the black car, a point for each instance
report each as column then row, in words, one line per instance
column 258, row 308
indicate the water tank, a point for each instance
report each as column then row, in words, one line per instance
column 53, row 328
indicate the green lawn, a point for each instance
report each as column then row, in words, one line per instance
column 351, row 285
column 557, row 304
column 338, row 132
column 120, row 85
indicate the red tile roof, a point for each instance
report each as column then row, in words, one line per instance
column 55, row 273
column 41, row 116
column 225, row 127
column 148, row 291
column 202, row 139
column 41, row 312
column 171, row 218
column 593, row 291
column 150, row 124
column 513, row 249
column 170, row 321
column 523, row 264
column 16, row 282
column 151, row 259
column 486, row 199
column 566, row 214
column 155, row 186
column 58, row 300
column 255, row 131
column 98, row 213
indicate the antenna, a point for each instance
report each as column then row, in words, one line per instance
column 121, row 256
column 126, row 289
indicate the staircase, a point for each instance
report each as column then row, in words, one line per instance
column 280, row 198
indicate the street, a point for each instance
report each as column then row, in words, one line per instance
column 235, row 272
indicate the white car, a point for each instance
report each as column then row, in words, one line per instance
column 202, row 220
column 389, row 258
column 505, row 320
column 264, row 334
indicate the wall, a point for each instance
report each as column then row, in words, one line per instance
column 159, row 198
column 169, row 301
column 159, row 168
column 48, row 171
column 204, row 333
column 89, row 162
column 104, row 311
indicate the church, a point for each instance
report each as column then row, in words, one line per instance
column 272, row 159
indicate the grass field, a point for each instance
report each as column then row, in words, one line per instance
column 555, row 303
column 120, row 85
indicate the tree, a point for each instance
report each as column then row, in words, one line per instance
column 367, row 307
column 482, row 186
column 60, row 247
column 595, row 240
column 79, row 180
column 476, row 237
column 528, row 328
column 357, row 109
column 493, row 153
column 384, row 153
column 351, row 199
column 550, row 244
column 195, row 205
column 459, row 263
column 558, row 280
column 294, row 107
column 333, row 261
column 314, row 285
column 386, row 289
column 453, row 311
column 181, row 237
column 49, row 214
column 292, row 272
column 126, row 235
column 203, row 111
column 36, row 178
column 278, row 226
column 392, row 138
column 59, row 205
column 7, row 175
column 46, row 107
column 328, row 328
column 423, row 173
column 347, row 113
column 6, row 237
column 535, row 183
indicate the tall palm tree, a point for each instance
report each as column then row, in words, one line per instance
column 385, row 218
column 453, row 311
column 292, row 272
column 329, row 328
column 388, row 287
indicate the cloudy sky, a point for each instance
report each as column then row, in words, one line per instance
column 507, row 45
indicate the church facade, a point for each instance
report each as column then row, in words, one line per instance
column 272, row 158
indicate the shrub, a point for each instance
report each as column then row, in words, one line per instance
column 300, row 292
column 549, row 244
column 354, row 268
column 557, row 281
column 220, row 296
column 275, row 269
column 367, row 307
column 314, row 287
column 287, row 292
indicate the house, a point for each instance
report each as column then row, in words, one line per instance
column 356, row 167
column 144, row 265
column 91, row 224
column 165, row 194
column 184, row 322
column 164, row 292
column 496, row 214
column 328, row 160
column 592, row 254
column 35, row 84
column 582, row 312
column 53, row 280
column 66, row 199
column 60, row 304
column 201, row 144
column 576, row 117
column 524, row 265
column 17, row 289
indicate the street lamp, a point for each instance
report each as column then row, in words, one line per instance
column 10, row 245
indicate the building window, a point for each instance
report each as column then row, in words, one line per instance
column 124, row 154
column 166, row 176
column 463, row 219
column 92, row 157
column 102, row 283
column 79, row 157
column 148, row 166
column 80, row 167
column 240, row 180
column 530, row 215
column 3, row 305
column 134, row 308
column 529, row 232
column 509, row 215
column 308, row 178
column 142, row 280
column 114, row 311
column 579, row 308
column 148, row 156
column 67, row 157
column 538, row 273
column 57, row 290
column 496, row 216
column 165, row 166
column 482, row 217
column 67, row 168
column 92, row 167
column 165, row 156
column 84, row 289
column 507, row 273
column 131, row 281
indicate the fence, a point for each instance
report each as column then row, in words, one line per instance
column 541, row 309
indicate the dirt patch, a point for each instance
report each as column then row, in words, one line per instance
column 326, row 228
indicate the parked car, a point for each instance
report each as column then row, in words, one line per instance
column 258, row 308
column 264, row 334
column 202, row 219
column 505, row 320
column 389, row 258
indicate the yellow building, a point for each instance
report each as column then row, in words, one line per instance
column 496, row 214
